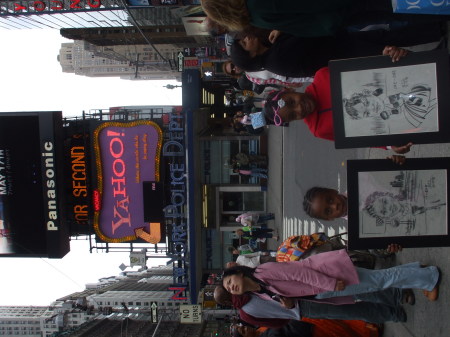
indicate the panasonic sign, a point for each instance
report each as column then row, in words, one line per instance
column 49, row 186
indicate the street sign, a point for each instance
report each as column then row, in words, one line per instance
column 137, row 259
column 191, row 314
column 154, row 308
column 180, row 61
column 191, row 62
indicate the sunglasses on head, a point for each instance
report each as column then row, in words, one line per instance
column 280, row 104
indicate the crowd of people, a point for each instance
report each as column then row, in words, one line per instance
column 281, row 48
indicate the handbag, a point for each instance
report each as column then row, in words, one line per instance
column 258, row 120
column 421, row 7
column 297, row 247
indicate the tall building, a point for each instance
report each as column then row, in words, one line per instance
column 22, row 319
column 107, row 327
column 131, row 303
column 135, row 292
column 22, row 14
column 157, row 16
column 135, row 299
column 65, row 319
column 150, row 48
column 41, row 321
column 62, row 13
column 84, row 59
column 110, row 36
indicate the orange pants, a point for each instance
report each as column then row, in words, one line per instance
column 339, row 328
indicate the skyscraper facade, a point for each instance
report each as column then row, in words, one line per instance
column 127, row 62
column 22, row 14
column 62, row 13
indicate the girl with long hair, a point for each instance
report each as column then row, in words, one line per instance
column 377, row 307
column 328, row 277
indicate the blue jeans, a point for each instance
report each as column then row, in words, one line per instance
column 364, row 311
column 377, row 307
column 265, row 217
column 404, row 276
column 259, row 233
column 258, row 172
column 390, row 296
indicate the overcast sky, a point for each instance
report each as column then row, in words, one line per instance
column 32, row 80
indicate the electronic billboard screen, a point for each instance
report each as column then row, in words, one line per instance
column 128, row 200
column 30, row 200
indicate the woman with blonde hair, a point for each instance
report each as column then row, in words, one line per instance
column 232, row 14
column 301, row 18
column 306, row 18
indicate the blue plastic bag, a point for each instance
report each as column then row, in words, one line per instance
column 438, row 7
column 258, row 120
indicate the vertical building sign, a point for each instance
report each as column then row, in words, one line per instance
column 191, row 314
column 175, row 154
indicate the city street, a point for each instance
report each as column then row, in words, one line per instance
column 299, row 161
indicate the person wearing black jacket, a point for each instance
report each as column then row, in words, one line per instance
column 293, row 56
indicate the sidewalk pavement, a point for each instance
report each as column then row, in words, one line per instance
column 425, row 319
column 275, row 202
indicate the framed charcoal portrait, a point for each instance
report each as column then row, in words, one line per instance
column 377, row 102
column 405, row 204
